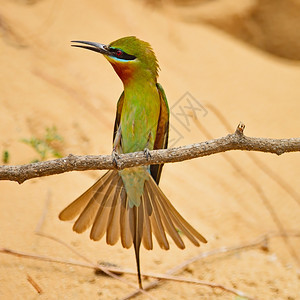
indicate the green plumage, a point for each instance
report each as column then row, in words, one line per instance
column 128, row 204
column 139, row 113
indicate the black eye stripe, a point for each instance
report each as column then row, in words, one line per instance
column 122, row 55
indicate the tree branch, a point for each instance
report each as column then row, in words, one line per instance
column 234, row 141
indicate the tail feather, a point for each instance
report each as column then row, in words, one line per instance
column 113, row 224
column 87, row 217
column 101, row 220
column 155, row 219
column 181, row 227
column 165, row 216
column 182, row 224
column 106, row 207
column 147, row 230
column 77, row 206
column 126, row 233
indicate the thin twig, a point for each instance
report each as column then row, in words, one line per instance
column 260, row 241
column 34, row 284
column 114, row 269
column 109, row 271
column 199, row 282
column 234, row 141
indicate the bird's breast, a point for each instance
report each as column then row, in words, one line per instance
column 139, row 119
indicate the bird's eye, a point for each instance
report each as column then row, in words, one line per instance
column 119, row 52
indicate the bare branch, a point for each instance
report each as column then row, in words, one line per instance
column 235, row 141
column 117, row 270
column 261, row 241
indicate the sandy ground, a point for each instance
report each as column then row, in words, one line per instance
column 44, row 83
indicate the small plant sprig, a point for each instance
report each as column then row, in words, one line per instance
column 5, row 157
column 46, row 147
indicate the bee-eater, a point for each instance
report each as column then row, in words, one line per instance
column 128, row 203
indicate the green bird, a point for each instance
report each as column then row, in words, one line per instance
column 128, row 203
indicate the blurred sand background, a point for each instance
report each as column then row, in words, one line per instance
column 239, row 58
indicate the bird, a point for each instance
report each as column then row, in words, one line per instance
column 128, row 204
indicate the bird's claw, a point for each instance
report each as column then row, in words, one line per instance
column 147, row 153
column 115, row 157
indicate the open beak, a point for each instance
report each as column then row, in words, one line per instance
column 97, row 47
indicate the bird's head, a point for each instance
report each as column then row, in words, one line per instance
column 130, row 57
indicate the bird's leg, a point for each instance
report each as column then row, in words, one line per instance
column 117, row 142
column 147, row 153
column 146, row 149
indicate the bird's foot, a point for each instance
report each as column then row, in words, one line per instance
column 147, row 153
column 115, row 157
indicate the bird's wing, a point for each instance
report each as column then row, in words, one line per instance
column 118, row 114
column 162, row 134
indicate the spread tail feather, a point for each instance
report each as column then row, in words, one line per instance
column 105, row 207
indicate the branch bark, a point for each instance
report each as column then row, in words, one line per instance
column 234, row 141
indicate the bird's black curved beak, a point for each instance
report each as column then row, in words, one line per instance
column 97, row 47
